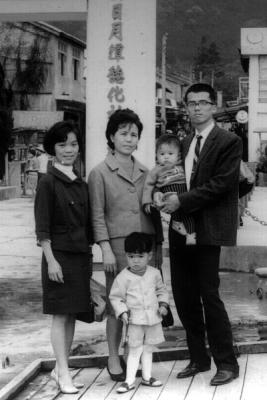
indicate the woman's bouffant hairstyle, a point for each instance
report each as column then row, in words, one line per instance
column 119, row 118
column 58, row 133
column 138, row 242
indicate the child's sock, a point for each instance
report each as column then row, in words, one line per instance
column 146, row 359
column 133, row 363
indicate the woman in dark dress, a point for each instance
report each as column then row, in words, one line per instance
column 63, row 230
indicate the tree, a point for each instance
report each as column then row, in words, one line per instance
column 31, row 74
column 6, row 96
column 23, row 70
column 207, row 62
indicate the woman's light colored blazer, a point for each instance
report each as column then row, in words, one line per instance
column 140, row 295
column 116, row 200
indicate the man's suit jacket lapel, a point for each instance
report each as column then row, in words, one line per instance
column 205, row 149
column 208, row 143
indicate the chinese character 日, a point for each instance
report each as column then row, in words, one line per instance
column 115, row 75
column 117, row 11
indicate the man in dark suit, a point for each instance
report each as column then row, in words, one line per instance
column 211, row 158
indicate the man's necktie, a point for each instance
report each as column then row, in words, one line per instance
column 196, row 155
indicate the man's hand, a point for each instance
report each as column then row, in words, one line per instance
column 170, row 202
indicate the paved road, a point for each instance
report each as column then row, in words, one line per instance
column 24, row 330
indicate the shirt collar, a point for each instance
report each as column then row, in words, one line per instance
column 113, row 163
column 62, row 176
column 204, row 134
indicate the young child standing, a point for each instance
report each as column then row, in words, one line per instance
column 169, row 176
column 140, row 298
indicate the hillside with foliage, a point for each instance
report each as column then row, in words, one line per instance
column 198, row 26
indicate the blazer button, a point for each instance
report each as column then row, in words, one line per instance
column 135, row 211
column 132, row 190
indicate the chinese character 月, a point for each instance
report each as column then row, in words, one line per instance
column 116, row 31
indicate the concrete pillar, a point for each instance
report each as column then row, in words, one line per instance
column 121, row 71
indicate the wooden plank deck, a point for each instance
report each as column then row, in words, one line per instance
column 251, row 384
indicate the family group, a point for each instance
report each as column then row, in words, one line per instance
column 195, row 181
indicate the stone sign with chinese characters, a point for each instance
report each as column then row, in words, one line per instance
column 121, row 71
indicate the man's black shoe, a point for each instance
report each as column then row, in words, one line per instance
column 223, row 376
column 192, row 369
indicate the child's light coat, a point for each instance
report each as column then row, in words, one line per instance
column 140, row 295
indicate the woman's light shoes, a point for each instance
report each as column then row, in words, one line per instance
column 66, row 389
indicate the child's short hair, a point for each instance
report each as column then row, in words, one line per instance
column 138, row 242
column 168, row 138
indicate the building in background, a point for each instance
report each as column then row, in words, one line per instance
column 176, row 85
column 254, row 47
column 44, row 68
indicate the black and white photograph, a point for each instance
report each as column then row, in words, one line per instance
column 133, row 199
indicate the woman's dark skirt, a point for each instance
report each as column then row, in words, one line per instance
column 72, row 296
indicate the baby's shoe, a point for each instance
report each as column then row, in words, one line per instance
column 179, row 227
column 191, row 238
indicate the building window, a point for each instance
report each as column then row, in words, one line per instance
column 76, row 69
column 262, row 79
column 243, row 88
column 62, row 57
column 76, row 55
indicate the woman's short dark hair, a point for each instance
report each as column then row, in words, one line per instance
column 138, row 242
column 201, row 87
column 168, row 138
column 59, row 133
column 122, row 117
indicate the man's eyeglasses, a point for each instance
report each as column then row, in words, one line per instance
column 200, row 103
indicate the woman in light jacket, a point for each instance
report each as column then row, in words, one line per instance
column 116, row 187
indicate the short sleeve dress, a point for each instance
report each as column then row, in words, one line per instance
column 62, row 215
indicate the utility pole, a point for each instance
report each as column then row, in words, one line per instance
column 163, row 82
column 212, row 78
